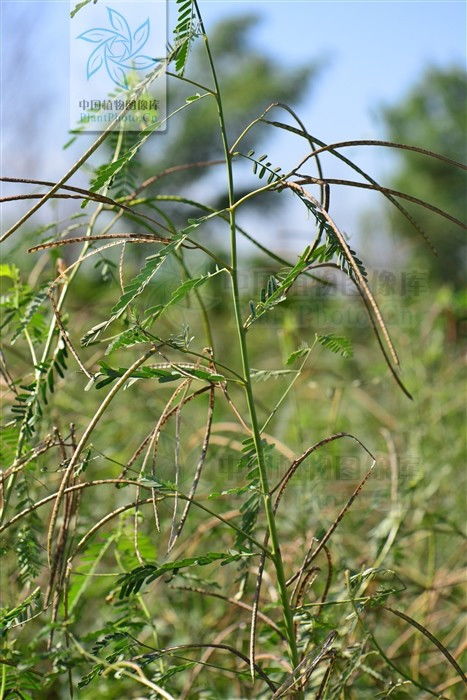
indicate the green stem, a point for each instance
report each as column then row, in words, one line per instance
column 287, row 391
column 262, row 468
column 3, row 682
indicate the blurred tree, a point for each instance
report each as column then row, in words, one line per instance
column 434, row 116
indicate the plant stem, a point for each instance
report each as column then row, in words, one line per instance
column 3, row 682
column 262, row 467
column 52, row 327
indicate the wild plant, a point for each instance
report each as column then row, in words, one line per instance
column 121, row 532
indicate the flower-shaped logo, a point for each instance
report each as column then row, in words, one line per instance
column 118, row 49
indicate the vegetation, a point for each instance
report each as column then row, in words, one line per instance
column 215, row 484
column 435, row 112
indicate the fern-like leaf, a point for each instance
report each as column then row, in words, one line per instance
column 134, row 580
column 33, row 306
column 262, row 375
column 184, row 33
column 164, row 373
column 276, row 289
column 336, row 343
column 261, row 166
column 22, row 612
column 179, row 294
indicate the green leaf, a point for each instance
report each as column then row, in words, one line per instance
column 30, row 606
column 181, row 292
column 297, row 354
column 85, row 571
column 105, row 173
column 92, row 334
column 78, row 7
column 134, row 580
column 264, row 167
column 10, row 271
column 204, row 374
column 262, row 375
column 336, row 343
column 163, row 374
column 183, row 33
column 141, row 281
column 153, row 263
column 333, row 246
column 29, row 312
column 129, row 337
column 276, row 289
column 173, row 670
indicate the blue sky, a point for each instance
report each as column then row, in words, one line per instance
column 374, row 52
